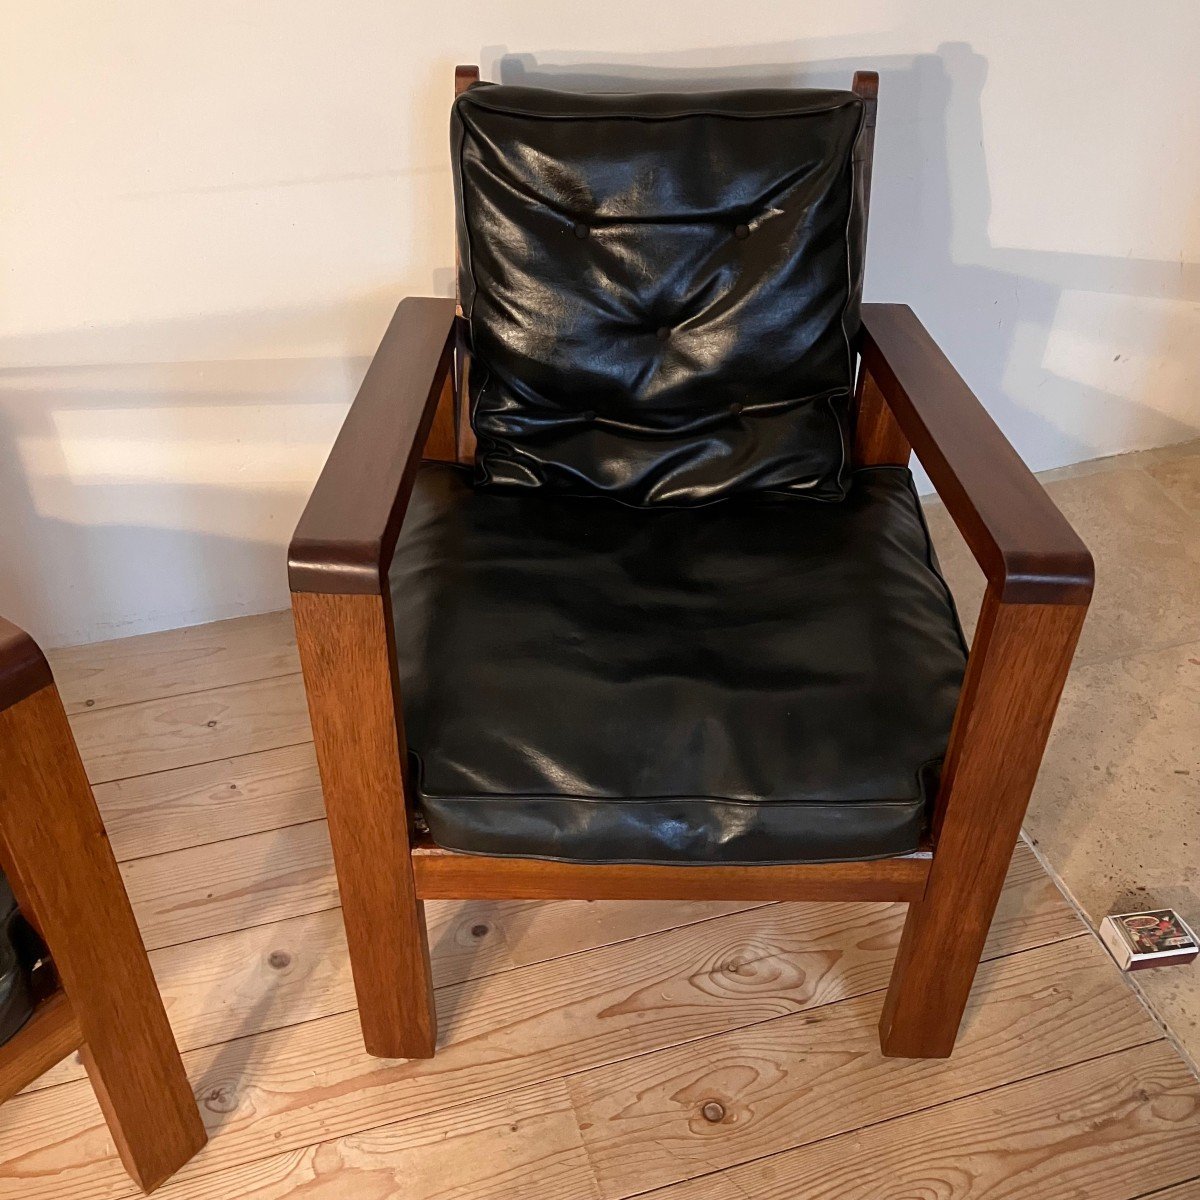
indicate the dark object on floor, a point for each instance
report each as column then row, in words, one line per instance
column 16, row 993
column 666, row 623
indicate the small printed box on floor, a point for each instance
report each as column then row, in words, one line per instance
column 1156, row 938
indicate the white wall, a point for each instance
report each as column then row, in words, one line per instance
column 208, row 211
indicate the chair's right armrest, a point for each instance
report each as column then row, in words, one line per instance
column 1025, row 546
column 23, row 667
column 348, row 530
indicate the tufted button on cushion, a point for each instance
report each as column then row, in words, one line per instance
column 667, row 177
column 662, row 333
column 736, row 407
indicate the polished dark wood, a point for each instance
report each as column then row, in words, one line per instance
column 878, row 438
column 465, row 74
column 446, row 875
column 1020, row 539
column 442, row 443
column 1015, row 676
column 866, row 85
column 464, row 77
column 347, row 532
column 358, row 733
column 55, row 854
column 23, row 667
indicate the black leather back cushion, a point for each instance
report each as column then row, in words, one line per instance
column 662, row 289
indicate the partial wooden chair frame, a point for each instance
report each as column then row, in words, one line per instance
column 56, row 856
column 412, row 403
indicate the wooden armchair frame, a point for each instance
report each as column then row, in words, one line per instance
column 56, row 856
column 909, row 398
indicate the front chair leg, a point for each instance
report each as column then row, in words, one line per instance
column 55, row 844
column 347, row 675
column 1014, row 679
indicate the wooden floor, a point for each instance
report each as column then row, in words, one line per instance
column 587, row 1049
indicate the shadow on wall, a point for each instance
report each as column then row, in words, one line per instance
column 148, row 494
column 1002, row 314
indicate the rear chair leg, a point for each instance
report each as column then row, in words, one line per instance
column 346, row 658
column 1015, row 675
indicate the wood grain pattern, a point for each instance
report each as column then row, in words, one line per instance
column 347, row 533
column 1015, row 675
column 1106, row 1130
column 55, row 854
column 250, row 981
column 878, row 437
column 253, row 880
column 154, row 666
column 48, row 1036
column 345, row 649
column 443, row 874
column 807, row 1077
column 297, row 1085
column 181, row 731
column 522, row 1144
column 298, row 1103
column 190, row 807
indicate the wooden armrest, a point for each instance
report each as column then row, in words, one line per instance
column 1025, row 546
column 348, row 530
column 23, row 667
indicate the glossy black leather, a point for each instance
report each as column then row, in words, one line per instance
column 662, row 290
column 16, row 999
column 751, row 681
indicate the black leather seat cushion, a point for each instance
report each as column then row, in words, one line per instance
column 751, row 681
column 662, row 290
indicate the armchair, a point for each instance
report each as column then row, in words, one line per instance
column 615, row 586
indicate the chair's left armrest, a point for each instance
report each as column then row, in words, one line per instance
column 347, row 533
column 23, row 667
column 1025, row 546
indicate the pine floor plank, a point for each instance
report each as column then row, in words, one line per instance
column 818, row 1074
column 580, row 1041
column 298, row 1085
column 253, row 980
column 225, row 886
column 1109, row 1129
column 181, row 731
column 175, row 661
column 218, row 887
column 525, row 1144
column 193, row 806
